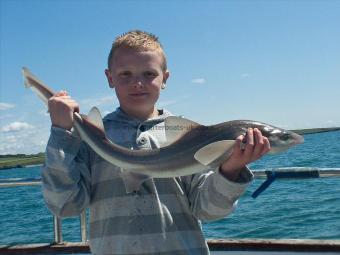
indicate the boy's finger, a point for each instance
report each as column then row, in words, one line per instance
column 249, row 149
column 75, row 106
column 61, row 93
column 259, row 143
column 242, row 141
column 238, row 144
column 64, row 97
column 266, row 147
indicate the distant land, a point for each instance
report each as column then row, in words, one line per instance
column 315, row 130
column 20, row 160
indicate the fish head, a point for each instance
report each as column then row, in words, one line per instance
column 280, row 139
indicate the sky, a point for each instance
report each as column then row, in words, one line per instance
column 272, row 61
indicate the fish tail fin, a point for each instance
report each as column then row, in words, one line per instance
column 38, row 87
column 26, row 73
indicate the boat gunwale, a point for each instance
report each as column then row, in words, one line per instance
column 282, row 245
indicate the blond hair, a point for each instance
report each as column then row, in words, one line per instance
column 139, row 41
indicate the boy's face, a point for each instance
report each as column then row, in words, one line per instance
column 137, row 78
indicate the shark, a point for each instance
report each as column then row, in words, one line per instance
column 191, row 147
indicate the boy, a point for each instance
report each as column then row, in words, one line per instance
column 163, row 216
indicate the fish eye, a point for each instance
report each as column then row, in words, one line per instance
column 285, row 136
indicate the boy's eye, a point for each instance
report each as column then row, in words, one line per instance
column 124, row 74
column 150, row 74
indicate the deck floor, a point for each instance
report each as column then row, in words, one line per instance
column 217, row 247
column 270, row 253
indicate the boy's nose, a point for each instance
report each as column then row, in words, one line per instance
column 138, row 82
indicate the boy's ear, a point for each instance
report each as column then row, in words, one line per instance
column 166, row 76
column 109, row 78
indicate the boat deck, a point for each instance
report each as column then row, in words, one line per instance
column 217, row 247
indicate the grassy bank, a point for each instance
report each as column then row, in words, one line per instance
column 20, row 160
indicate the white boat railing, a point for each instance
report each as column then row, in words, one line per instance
column 216, row 246
column 57, row 222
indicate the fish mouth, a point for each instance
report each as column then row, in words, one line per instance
column 298, row 139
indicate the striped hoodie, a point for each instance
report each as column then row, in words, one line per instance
column 163, row 217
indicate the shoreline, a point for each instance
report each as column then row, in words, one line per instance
column 21, row 161
column 19, row 166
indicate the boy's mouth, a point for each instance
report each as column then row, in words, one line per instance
column 138, row 94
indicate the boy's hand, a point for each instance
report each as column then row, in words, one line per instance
column 256, row 146
column 61, row 107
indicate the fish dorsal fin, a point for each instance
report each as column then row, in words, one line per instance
column 211, row 152
column 95, row 118
column 177, row 127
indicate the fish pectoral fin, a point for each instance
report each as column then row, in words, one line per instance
column 214, row 151
column 176, row 127
column 133, row 181
column 95, row 118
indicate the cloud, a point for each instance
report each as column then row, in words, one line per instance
column 26, row 141
column 6, row 106
column 5, row 116
column 104, row 100
column 166, row 103
column 44, row 113
column 245, row 75
column 16, row 126
column 198, row 81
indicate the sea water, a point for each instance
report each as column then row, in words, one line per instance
column 289, row 208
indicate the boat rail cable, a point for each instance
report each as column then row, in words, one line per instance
column 280, row 173
column 271, row 175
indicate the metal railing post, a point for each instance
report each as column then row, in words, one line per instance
column 58, row 235
column 83, row 226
